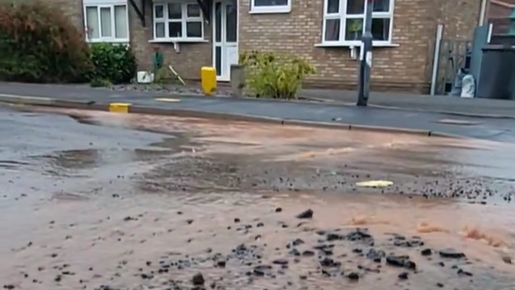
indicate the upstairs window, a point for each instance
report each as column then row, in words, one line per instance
column 178, row 21
column 270, row 6
column 344, row 21
column 106, row 21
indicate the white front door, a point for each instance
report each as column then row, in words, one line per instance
column 225, row 38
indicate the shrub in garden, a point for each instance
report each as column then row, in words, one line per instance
column 38, row 43
column 114, row 63
column 275, row 76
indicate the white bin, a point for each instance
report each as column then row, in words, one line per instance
column 145, row 77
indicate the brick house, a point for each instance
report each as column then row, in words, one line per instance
column 196, row 33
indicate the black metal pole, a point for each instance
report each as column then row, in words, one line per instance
column 365, row 64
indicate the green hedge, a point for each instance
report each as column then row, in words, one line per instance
column 38, row 43
column 114, row 63
column 271, row 75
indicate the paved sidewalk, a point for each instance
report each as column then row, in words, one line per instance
column 438, row 104
column 442, row 104
column 315, row 113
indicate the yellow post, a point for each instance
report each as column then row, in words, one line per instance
column 119, row 107
column 208, row 80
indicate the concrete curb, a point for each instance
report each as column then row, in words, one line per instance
column 13, row 99
column 86, row 105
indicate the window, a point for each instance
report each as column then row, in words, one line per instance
column 178, row 21
column 270, row 6
column 106, row 21
column 344, row 21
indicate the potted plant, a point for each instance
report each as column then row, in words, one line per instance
column 355, row 27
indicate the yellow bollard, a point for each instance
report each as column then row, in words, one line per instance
column 208, row 80
column 119, row 107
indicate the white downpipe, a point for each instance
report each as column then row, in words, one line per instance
column 489, row 36
column 482, row 12
column 436, row 58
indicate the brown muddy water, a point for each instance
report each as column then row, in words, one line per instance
column 117, row 207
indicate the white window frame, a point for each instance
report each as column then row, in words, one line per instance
column 269, row 9
column 111, row 4
column 184, row 20
column 343, row 17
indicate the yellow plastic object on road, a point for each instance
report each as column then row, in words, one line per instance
column 119, row 107
column 374, row 183
column 208, row 80
column 168, row 100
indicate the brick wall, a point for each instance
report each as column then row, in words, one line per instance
column 187, row 62
column 460, row 17
column 72, row 9
column 404, row 67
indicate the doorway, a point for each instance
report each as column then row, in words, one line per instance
column 225, row 38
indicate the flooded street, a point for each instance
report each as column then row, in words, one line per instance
column 94, row 200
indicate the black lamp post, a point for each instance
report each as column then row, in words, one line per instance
column 365, row 64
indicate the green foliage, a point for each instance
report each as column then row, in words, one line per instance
column 161, row 76
column 97, row 83
column 356, row 25
column 113, row 62
column 39, row 43
column 164, row 76
column 275, row 76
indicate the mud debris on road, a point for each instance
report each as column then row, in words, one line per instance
column 189, row 204
column 343, row 266
column 321, row 257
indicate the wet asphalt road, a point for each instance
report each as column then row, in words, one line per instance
column 90, row 203
column 498, row 129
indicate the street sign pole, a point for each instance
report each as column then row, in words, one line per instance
column 365, row 64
